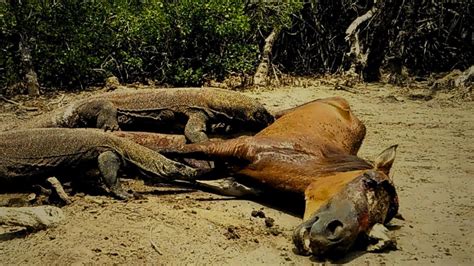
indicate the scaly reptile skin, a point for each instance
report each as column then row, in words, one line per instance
column 194, row 111
column 32, row 155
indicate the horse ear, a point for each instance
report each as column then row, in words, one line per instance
column 384, row 161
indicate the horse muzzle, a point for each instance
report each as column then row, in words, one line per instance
column 331, row 230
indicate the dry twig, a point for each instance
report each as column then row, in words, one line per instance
column 27, row 108
column 153, row 244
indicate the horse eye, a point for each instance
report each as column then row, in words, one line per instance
column 369, row 182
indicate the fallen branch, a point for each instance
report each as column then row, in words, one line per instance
column 155, row 247
column 33, row 218
column 27, row 108
column 344, row 88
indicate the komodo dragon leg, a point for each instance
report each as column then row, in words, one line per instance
column 102, row 113
column 58, row 188
column 109, row 164
column 195, row 129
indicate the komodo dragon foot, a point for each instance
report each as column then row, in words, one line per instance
column 109, row 164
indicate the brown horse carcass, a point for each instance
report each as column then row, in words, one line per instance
column 312, row 150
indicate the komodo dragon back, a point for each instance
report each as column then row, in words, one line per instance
column 233, row 104
column 162, row 106
column 62, row 147
column 66, row 117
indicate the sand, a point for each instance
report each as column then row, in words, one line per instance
column 433, row 173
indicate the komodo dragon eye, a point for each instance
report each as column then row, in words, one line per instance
column 259, row 116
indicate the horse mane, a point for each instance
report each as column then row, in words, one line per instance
column 336, row 161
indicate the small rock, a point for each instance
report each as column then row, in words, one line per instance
column 285, row 256
column 97, row 250
column 258, row 213
column 232, row 233
column 269, row 222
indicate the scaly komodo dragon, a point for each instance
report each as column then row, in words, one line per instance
column 195, row 110
column 28, row 156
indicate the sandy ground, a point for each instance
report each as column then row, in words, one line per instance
column 433, row 173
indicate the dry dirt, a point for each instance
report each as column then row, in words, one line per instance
column 433, row 172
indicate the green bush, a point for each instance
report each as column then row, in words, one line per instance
column 78, row 43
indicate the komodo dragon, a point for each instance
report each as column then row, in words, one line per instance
column 197, row 111
column 31, row 156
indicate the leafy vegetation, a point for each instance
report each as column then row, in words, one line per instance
column 77, row 43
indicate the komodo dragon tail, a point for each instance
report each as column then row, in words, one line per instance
column 154, row 164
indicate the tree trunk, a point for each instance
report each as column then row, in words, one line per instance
column 466, row 78
column 379, row 39
column 356, row 54
column 23, row 41
column 261, row 75
column 31, row 79
column 367, row 55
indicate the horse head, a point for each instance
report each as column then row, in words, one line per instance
column 342, row 206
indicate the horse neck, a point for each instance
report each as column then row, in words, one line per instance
column 326, row 187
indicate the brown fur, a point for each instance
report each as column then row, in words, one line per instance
column 314, row 140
